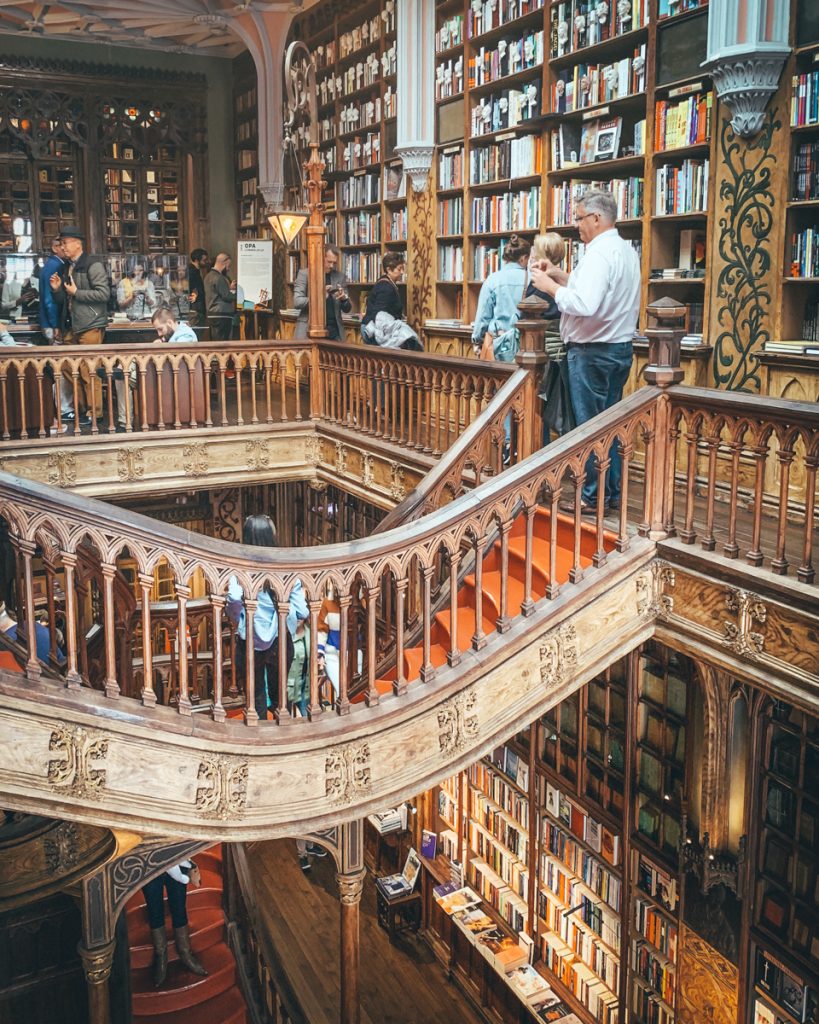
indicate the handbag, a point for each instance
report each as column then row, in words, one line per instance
column 487, row 352
column 558, row 414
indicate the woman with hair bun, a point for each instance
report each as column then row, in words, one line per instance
column 494, row 335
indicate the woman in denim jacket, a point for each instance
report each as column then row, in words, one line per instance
column 498, row 302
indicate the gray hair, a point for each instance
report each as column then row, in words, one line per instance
column 600, row 202
column 331, row 247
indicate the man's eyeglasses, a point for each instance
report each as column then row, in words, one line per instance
column 583, row 216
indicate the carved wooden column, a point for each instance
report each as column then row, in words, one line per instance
column 350, row 880
column 182, row 595
column 146, row 582
column 73, row 680
column 27, row 549
column 97, row 966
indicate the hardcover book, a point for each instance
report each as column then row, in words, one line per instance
column 429, row 844
column 401, row 884
column 607, row 141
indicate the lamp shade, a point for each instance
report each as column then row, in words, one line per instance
column 288, row 223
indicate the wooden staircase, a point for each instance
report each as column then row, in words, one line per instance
column 441, row 631
column 185, row 998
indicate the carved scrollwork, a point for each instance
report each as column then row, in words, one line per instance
column 132, row 869
column 221, row 792
column 398, row 490
column 367, row 471
column 458, row 722
column 62, row 469
column 740, row 636
column 129, row 464
column 313, row 449
column 195, row 460
column 341, row 458
column 652, row 601
column 76, row 770
column 558, row 655
column 350, row 887
column 36, row 118
column 258, row 454
column 61, row 847
column 347, row 772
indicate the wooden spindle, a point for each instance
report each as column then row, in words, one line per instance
column 111, row 685
column 427, row 673
column 527, row 606
column 805, row 572
column 281, row 714
column 251, row 715
column 183, row 592
column 779, row 563
column 553, row 587
column 731, row 548
column 40, row 380
column 576, row 573
column 27, row 549
column 708, row 541
column 503, row 623
column 623, row 541
column 399, row 686
column 454, row 653
column 599, row 556
column 73, row 680
column 237, row 364
column 479, row 637
column 372, row 696
column 146, row 583
column 343, row 705
column 314, row 710
column 217, row 603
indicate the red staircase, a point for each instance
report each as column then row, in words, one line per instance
column 185, row 998
column 440, row 633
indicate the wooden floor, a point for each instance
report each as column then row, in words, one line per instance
column 400, row 984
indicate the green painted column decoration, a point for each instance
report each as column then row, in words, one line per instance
column 747, row 49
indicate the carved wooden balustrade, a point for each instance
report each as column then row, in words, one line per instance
column 415, row 400
column 394, row 563
column 760, row 440
column 169, row 387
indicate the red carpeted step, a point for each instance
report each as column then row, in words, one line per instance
column 181, row 988
column 207, row 925
column 227, row 1008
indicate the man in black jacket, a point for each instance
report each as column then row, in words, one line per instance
column 85, row 290
column 199, row 266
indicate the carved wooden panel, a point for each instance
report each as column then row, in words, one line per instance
column 708, row 984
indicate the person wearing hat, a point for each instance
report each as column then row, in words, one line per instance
column 84, row 286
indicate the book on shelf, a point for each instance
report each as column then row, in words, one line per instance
column 387, row 821
column 502, row 951
column 805, row 99
column 805, row 172
column 683, row 122
column 473, row 922
column 763, row 1014
column 462, row 898
column 607, row 139
column 429, row 844
column 527, row 983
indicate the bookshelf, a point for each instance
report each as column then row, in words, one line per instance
column 561, row 97
column 785, row 936
column 799, row 305
column 365, row 200
column 37, row 197
column 142, row 200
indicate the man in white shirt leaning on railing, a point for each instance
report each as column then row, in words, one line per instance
column 599, row 304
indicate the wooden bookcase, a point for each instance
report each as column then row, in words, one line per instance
column 251, row 221
column 365, row 201
column 519, row 164
column 785, row 934
column 799, row 306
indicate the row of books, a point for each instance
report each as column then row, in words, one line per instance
column 600, row 881
column 450, row 33
column 686, row 122
column 508, row 57
column 575, row 24
column 361, row 267
column 492, row 888
column 805, row 179
column 397, row 225
column 669, row 8
column 451, row 168
column 805, row 99
column 785, row 988
column 485, row 15
column 580, row 943
column 654, row 881
column 576, row 902
column 362, row 228
column 353, row 116
column 506, row 109
column 361, row 190
column 500, row 825
column 805, row 253
column 681, row 189
column 451, row 216
column 586, row 85
column 449, row 78
column 357, row 76
column 580, row 979
column 362, row 151
column 656, row 927
column 648, row 1006
column 512, row 211
column 508, row 158
column 363, row 35
column 591, row 142
column 658, row 971
column 810, row 323
column 450, row 263
column 508, row 868
column 628, row 192
column 489, row 780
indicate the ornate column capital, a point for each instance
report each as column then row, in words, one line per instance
column 745, row 83
column 350, row 887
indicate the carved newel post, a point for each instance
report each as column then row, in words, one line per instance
column 532, row 356
column 665, row 332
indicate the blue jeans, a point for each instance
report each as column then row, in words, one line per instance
column 177, row 894
column 597, row 373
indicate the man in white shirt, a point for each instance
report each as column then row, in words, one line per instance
column 599, row 304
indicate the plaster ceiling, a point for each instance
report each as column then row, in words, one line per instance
column 183, row 26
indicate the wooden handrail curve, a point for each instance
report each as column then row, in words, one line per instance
column 39, row 515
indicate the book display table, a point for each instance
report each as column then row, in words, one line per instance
column 399, row 914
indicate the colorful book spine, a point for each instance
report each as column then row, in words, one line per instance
column 805, row 99
column 512, row 211
column 805, row 252
column 451, row 216
column 507, row 159
column 681, row 189
column 450, row 263
column 686, row 122
column 628, row 192
column 450, row 169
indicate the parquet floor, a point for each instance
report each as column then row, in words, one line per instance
column 399, row 984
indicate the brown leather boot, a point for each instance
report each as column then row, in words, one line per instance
column 159, row 938
column 183, row 948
